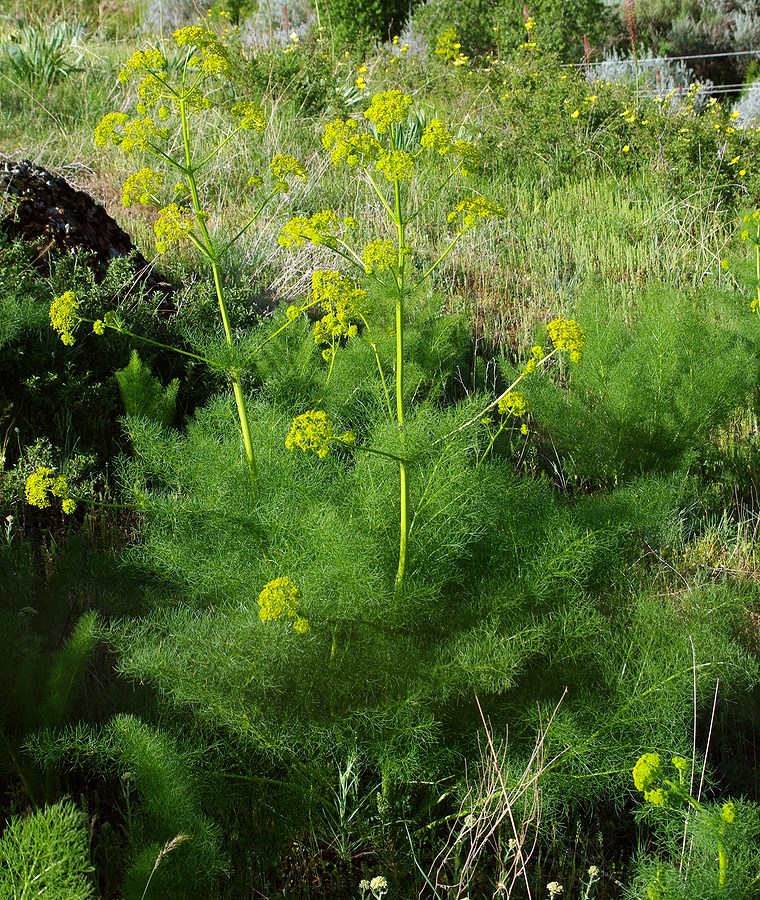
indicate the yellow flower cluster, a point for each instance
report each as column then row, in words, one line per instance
column 142, row 62
column 346, row 144
column 174, row 224
column 472, row 209
column 64, row 316
column 388, row 109
column 214, row 59
column 43, row 484
column 646, row 775
column 319, row 229
column 649, row 777
column 536, row 355
column 279, row 599
column 282, row 167
column 437, row 136
column 310, row 432
column 339, row 297
column 513, row 403
column 250, row 115
column 398, row 165
column 565, row 334
column 142, row 187
column 379, row 256
column 129, row 134
column 449, row 48
column 109, row 129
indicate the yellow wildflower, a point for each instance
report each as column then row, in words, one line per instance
column 319, row 229
column 379, row 255
column 142, row 187
column 565, row 334
column 514, row 403
column 279, row 599
column 473, row 209
column 437, row 136
column 174, row 224
column 64, row 316
column 282, row 167
column 310, row 432
column 387, row 109
column 398, row 165
column 251, row 116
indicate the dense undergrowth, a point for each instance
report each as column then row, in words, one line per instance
column 426, row 567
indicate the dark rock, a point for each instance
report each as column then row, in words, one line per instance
column 47, row 211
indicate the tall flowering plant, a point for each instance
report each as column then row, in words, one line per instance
column 170, row 101
column 379, row 150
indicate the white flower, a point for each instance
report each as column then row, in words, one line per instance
column 554, row 888
column 378, row 883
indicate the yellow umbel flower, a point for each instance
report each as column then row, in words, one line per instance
column 379, row 255
column 174, row 224
column 347, row 145
column 310, row 432
column 398, row 165
column 566, row 334
column 142, row 62
column 109, row 129
column 282, row 167
column 319, row 229
column 142, row 187
column 513, row 403
column 251, row 116
column 278, row 598
column 469, row 211
column 214, row 59
column 43, row 484
column 339, row 297
column 64, row 316
column 536, row 355
column 387, row 109
column 437, row 136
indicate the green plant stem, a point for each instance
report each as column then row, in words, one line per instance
column 722, row 865
column 379, row 368
column 145, row 340
column 210, row 254
column 404, row 479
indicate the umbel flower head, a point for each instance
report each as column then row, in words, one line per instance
column 279, row 599
column 312, row 432
column 173, row 225
column 320, row 229
column 649, row 777
column 513, row 403
column 565, row 334
column 339, row 297
column 64, row 316
column 43, row 484
column 469, row 211
column 388, row 109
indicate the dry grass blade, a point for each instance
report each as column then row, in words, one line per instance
column 492, row 809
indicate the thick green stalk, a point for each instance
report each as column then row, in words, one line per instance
column 404, row 485
column 208, row 249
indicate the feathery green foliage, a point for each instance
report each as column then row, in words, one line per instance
column 45, row 854
column 144, row 395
